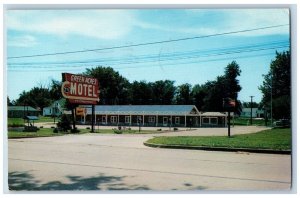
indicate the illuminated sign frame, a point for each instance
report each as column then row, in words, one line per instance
column 80, row 89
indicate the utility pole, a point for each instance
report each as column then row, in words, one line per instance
column 251, row 105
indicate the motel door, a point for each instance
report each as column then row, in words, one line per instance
column 165, row 121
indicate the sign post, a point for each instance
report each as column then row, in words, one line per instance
column 229, row 105
column 78, row 89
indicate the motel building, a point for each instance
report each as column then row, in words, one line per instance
column 150, row 115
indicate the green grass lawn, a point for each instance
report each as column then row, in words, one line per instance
column 275, row 139
column 43, row 132
column 48, row 132
column 20, row 121
column 246, row 121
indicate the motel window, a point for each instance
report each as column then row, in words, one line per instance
column 151, row 119
column 205, row 120
column 113, row 119
column 214, row 120
column 165, row 120
column 177, row 120
column 127, row 119
column 103, row 118
column 139, row 119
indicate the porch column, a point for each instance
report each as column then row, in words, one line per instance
column 156, row 118
column 185, row 120
column 118, row 117
column 106, row 118
column 143, row 118
column 200, row 123
column 130, row 120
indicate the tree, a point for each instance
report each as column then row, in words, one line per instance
column 55, row 90
column 163, row 92
column 141, row 93
column 198, row 95
column 276, row 86
column 184, row 94
column 9, row 102
column 216, row 92
column 232, row 87
column 224, row 86
column 37, row 97
column 114, row 88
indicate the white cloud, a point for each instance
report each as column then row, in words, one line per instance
column 116, row 24
column 22, row 41
column 101, row 24
column 243, row 19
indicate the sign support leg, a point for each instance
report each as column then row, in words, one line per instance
column 93, row 118
column 228, row 124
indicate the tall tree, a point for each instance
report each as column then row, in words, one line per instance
column 141, row 93
column 198, row 95
column 224, row 86
column 163, row 92
column 184, row 94
column 55, row 90
column 37, row 97
column 114, row 88
column 232, row 71
column 276, row 86
column 216, row 92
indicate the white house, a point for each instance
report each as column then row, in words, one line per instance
column 256, row 113
column 55, row 109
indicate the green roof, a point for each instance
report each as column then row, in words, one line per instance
column 31, row 118
column 21, row 108
column 145, row 109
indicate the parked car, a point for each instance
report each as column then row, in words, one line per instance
column 282, row 123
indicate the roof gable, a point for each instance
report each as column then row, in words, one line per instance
column 21, row 108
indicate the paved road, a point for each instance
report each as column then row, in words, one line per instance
column 121, row 162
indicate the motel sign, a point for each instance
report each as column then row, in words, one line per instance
column 80, row 89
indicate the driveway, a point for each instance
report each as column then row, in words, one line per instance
column 121, row 162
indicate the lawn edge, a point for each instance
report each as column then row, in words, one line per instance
column 226, row 149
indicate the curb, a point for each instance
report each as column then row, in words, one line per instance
column 267, row 151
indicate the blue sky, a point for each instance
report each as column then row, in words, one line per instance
column 194, row 61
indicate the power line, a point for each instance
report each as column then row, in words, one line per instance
column 145, row 56
column 131, row 61
column 167, row 64
column 149, row 43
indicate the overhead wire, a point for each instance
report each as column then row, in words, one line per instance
column 147, row 43
column 154, row 59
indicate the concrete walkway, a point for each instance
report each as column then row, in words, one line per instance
column 165, row 131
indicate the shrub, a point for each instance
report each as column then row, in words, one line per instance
column 88, row 127
column 175, row 129
column 75, row 130
column 30, row 129
column 52, row 127
column 55, row 130
column 118, row 131
column 41, row 127
column 158, row 129
column 64, row 123
column 16, row 125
